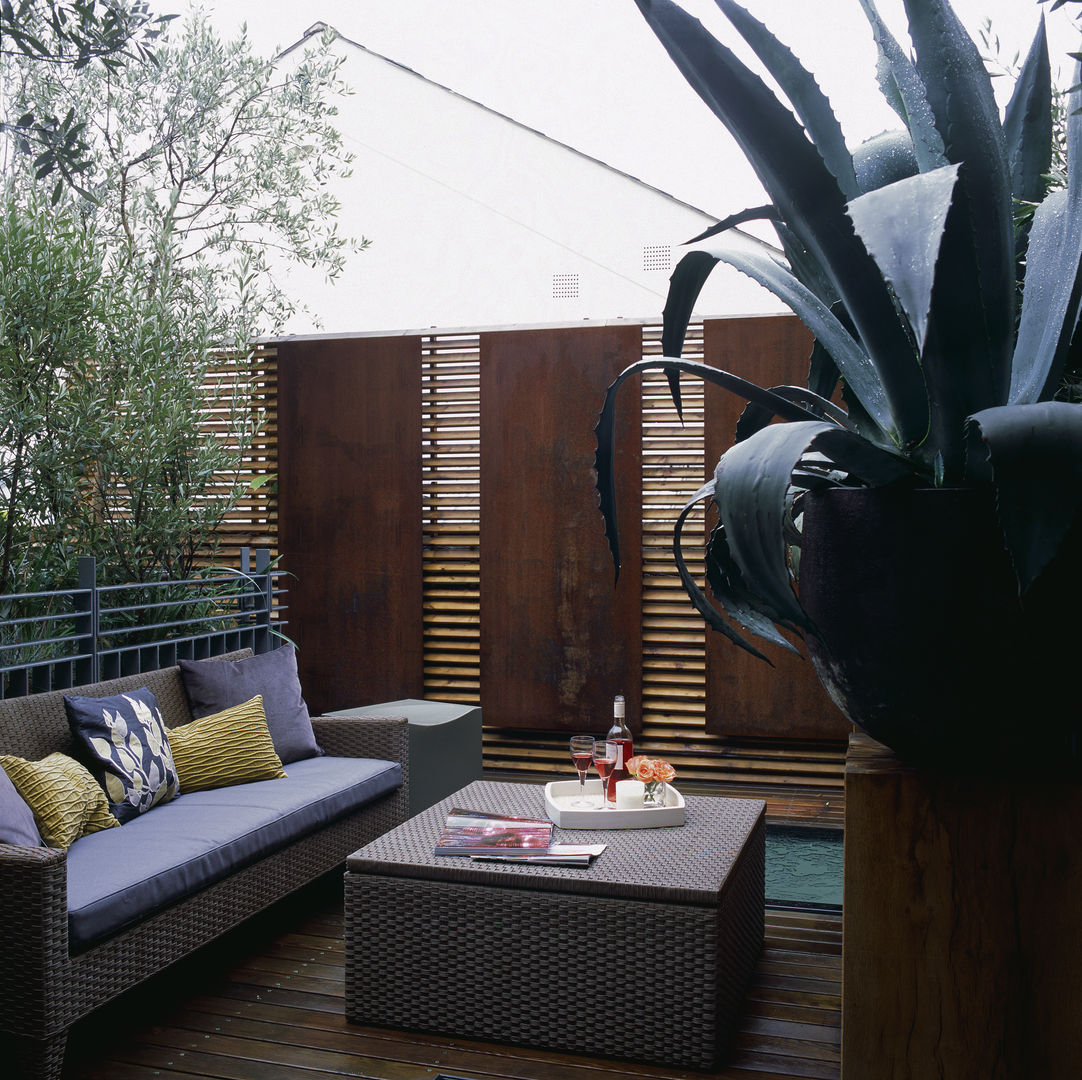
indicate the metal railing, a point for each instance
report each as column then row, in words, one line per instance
column 72, row 637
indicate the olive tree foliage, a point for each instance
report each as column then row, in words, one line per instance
column 103, row 443
column 226, row 153
column 70, row 35
column 113, row 303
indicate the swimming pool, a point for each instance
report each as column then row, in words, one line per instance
column 803, row 866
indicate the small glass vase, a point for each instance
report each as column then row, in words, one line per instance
column 655, row 793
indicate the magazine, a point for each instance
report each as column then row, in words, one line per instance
column 556, row 855
column 474, row 832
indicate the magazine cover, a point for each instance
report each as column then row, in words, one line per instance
column 473, row 832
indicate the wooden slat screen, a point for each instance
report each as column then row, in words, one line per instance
column 253, row 522
column 451, row 471
column 674, row 641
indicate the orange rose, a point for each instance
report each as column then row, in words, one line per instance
column 633, row 764
column 645, row 771
column 664, row 771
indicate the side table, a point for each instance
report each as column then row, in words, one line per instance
column 444, row 742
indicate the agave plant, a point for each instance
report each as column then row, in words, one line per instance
column 946, row 324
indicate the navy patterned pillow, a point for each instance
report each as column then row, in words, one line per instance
column 126, row 747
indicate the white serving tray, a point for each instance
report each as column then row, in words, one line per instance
column 559, row 794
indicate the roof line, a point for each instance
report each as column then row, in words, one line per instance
column 322, row 27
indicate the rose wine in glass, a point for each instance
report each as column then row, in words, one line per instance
column 582, row 753
column 605, row 755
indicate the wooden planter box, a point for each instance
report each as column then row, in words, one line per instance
column 962, row 951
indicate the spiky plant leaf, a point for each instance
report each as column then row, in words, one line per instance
column 605, row 429
column 743, row 612
column 904, row 91
column 981, row 250
column 806, row 194
column 752, row 492
column 754, row 258
column 800, row 87
column 902, row 226
column 1052, row 297
column 1027, row 123
column 1034, row 453
column 883, row 159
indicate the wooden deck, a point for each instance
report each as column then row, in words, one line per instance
column 267, row 1003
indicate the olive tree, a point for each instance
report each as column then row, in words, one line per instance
column 70, row 35
column 111, row 307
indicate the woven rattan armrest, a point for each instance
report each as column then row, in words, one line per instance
column 383, row 737
column 33, row 915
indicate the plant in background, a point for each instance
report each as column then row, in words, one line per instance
column 114, row 306
column 946, row 326
column 70, row 36
column 105, row 445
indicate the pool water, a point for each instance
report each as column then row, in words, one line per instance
column 803, row 866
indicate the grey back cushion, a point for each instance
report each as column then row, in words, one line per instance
column 214, row 685
column 17, row 825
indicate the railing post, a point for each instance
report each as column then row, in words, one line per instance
column 87, row 668
column 265, row 582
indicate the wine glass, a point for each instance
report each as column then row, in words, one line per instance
column 582, row 753
column 605, row 755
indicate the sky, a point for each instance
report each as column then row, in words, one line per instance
column 591, row 74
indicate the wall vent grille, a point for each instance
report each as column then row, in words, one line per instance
column 565, row 286
column 657, row 257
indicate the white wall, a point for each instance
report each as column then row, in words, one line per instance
column 474, row 218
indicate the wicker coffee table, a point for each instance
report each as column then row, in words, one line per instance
column 508, row 953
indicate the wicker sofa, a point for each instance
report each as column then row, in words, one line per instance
column 50, row 977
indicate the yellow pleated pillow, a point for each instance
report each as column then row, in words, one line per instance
column 230, row 747
column 66, row 800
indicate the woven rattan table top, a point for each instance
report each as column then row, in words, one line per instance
column 689, row 863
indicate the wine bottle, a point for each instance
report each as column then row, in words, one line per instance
column 620, row 735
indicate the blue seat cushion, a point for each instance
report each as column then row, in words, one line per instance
column 119, row 876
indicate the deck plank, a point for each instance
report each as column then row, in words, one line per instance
column 266, row 1004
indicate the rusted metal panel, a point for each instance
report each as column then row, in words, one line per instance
column 744, row 696
column 557, row 639
column 350, row 516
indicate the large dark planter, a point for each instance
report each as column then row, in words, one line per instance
column 924, row 643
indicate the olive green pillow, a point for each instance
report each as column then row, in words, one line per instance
column 66, row 800
column 229, row 747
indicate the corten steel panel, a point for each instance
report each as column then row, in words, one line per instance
column 746, row 696
column 558, row 640
column 349, row 414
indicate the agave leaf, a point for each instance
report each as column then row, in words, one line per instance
column 959, row 91
column 752, row 491
column 1051, row 300
column 752, row 213
column 1052, row 297
column 744, row 614
column 755, row 417
column 807, row 195
column 686, row 283
column 1027, row 123
column 904, row 91
column 902, row 226
column 1034, row 454
column 756, row 259
column 800, row 87
column 605, row 429
column 883, row 159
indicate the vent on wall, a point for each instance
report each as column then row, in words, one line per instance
column 565, row 286
column 657, row 257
